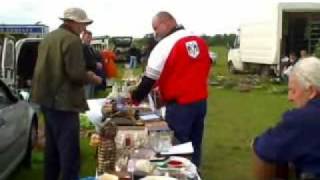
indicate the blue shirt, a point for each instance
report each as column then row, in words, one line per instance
column 296, row 139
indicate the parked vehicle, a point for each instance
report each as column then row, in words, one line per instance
column 100, row 43
column 213, row 56
column 260, row 46
column 18, row 118
column 122, row 46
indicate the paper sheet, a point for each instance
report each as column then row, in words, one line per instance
column 185, row 148
column 149, row 117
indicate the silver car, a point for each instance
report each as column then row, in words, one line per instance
column 18, row 118
column 18, row 131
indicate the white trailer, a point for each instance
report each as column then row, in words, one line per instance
column 260, row 46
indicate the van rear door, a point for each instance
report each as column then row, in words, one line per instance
column 7, row 63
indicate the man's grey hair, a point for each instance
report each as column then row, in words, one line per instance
column 165, row 15
column 307, row 72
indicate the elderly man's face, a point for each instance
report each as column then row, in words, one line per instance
column 78, row 27
column 82, row 27
column 160, row 28
column 297, row 93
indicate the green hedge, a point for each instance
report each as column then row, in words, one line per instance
column 317, row 50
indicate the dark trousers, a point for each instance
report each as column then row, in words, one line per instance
column 187, row 122
column 62, row 149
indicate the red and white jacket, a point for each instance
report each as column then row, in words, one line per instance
column 180, row 63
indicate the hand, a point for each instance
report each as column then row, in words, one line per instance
column 95, row 140
column 93, row 78
column 132, row 101
column 97, row 80
column 129, row 99
column 99, row 65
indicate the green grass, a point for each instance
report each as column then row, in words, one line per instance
column 36, row 172
column 233, row 120
column 220, row 67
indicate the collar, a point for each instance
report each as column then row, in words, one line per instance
column 315, row 101
column 175, row 29
column 68, row 28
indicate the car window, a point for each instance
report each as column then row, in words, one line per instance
column 6, row 97
column 4, row 100
column 124, row 41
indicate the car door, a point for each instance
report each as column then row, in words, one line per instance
column 8, row 73
column 14, row 127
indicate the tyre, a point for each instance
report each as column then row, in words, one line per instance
column 265, row 71
column 32, row 140
column 231, row 68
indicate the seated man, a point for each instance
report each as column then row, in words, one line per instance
column 287, row 67
column 295, row 140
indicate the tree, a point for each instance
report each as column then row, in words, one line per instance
column 219, row 39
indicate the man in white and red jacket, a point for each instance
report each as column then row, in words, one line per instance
column 179, row 65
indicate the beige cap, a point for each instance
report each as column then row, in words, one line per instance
column 77, row 15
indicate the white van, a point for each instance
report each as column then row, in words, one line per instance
column 18, row 61
column 260, row 46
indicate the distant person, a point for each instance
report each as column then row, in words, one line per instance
column 92, row 61
column 134, row 57
column 179, row 64
column 294, row 141
column 151, row 43
column 110, row 67
column 292, row 60
column 58, row 87
column 303, row 54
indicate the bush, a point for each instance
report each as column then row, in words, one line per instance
column 317, row 50
column 85, row 122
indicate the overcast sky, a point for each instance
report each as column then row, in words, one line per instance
column 133, row 17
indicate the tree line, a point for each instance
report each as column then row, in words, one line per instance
column 220, row 39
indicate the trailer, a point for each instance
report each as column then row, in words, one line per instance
column 259, row 47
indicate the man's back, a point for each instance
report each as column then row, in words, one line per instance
column 185, row 68
column 60, row 72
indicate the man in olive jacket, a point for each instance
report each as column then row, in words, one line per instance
column 58, row 87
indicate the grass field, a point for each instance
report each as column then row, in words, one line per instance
column 233, row 120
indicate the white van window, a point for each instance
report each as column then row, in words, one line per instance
column 1, row 52
column 9, row 59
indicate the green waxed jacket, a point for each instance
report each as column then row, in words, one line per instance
column 60, row 74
